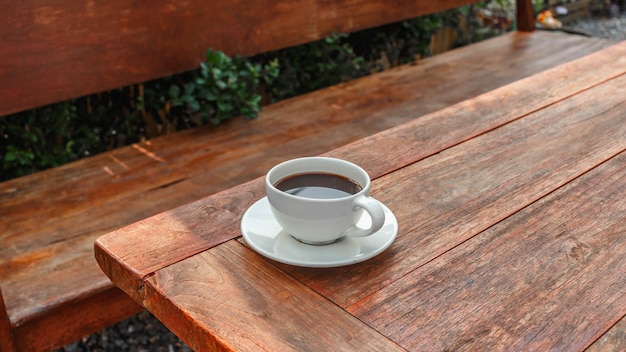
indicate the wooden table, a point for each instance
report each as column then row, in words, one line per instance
column 512, row 236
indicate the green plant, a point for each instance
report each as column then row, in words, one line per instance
column 53, row 135
column 222, row 88
column 402, row 42
column 312, row 66
column 41, row 139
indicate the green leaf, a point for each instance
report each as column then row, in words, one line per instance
column 255, row 100
column 214, row 57
column 221, row 84
column 194, row 106
column 68, row 147
column 10, row 156
column 224, row 106
column 174, row 91
column 189, row 91
column 25, row 157
column 209, row 96
column 216, row 72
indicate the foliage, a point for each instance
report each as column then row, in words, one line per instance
column 397, row 43
column 220, row 89
column 225, row 87
column 312, row 66
column 56, row 134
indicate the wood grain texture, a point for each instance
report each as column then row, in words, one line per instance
column 187, row 163
column 51, row 218
column 613, row 340
column 421, row 137
column 194, row 227
column 446, row 199
column 550, row 277
column 229, row 299
column 73, row 319
column 407, row 144
column 53, row 50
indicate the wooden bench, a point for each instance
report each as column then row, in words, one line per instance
column 53, row 291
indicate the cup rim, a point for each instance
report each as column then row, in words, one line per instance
column 364, row 187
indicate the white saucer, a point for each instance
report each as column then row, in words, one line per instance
column 264, row 235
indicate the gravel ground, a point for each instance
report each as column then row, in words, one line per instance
column 607, row 28
column 144, row 333
column 140, row 333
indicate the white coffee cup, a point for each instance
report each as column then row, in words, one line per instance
column 315, row 212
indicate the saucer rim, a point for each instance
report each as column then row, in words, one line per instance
column 322, row 264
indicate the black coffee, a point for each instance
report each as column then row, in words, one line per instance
column 318, row 185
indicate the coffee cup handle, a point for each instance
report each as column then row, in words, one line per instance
column 376, row 212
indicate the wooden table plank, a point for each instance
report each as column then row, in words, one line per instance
column 184, row 231
column 551, row 277
column 228, row 298
column 444, row 200
column 140, row 249
column 612, row 340
column 442, row 129
column 512, row 224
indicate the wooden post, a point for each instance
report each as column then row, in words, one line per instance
column 525, row 16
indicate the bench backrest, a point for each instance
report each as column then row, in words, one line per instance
column 52, row 50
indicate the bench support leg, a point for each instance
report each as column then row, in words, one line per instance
column 6, row 337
